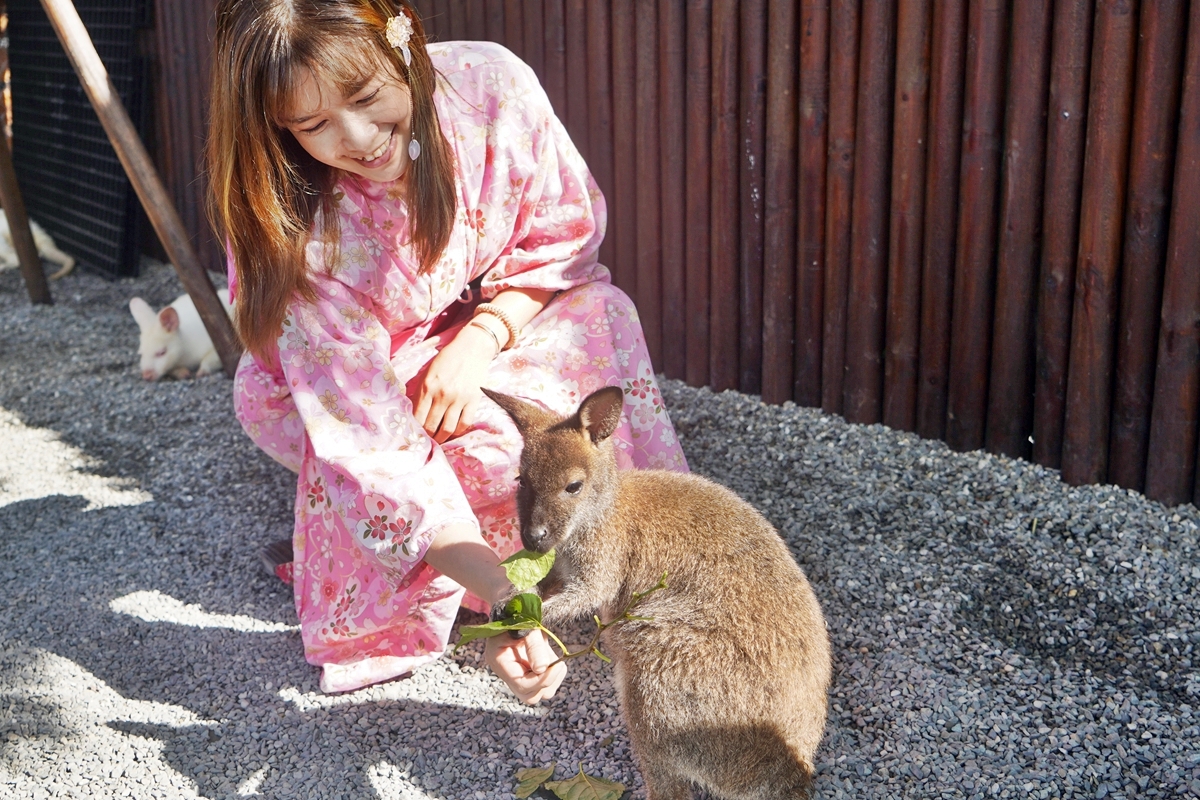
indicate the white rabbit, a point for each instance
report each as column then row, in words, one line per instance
column 45, row 247
column 174, row 341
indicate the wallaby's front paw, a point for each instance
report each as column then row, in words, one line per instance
column 500, row 611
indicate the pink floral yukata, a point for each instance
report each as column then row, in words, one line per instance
column 336, row 406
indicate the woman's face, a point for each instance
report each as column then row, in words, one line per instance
column 365, row 134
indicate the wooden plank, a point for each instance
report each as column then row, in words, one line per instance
column 534, row 37
column 576, row 58
column 865, row 318
column 975, row 253
column 1070, row 64
column 1010, row 401
column 554, row 52
column 1093, row 322
column 599, row 55
column 474, row 14
column 649, row 243
column 1155, row 119
column 908, row 215
column 698, row 143
column 810, row 181
column 779, row 221
column 723, row 330
column 1171, row 471
column 941, row 213
column 752, row 125
column 494, row 20
column 427, row 12
column 624, row 202
column 673, row 132
column 514, row 27
column 839, row 194
column 134, row 159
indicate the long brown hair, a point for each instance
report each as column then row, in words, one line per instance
column 266, row 194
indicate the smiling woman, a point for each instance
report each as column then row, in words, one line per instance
column 380, row 284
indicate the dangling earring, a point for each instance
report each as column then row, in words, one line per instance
column 414, row 149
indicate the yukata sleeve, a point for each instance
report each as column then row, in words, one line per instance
column 548, row 213
column 265, row 408
column 392, row 487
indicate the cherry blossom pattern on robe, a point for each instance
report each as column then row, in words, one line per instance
column 334, row 404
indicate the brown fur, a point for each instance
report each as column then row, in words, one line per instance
column 725, row 687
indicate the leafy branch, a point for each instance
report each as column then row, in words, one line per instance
column 577, row 787
column 525, row 570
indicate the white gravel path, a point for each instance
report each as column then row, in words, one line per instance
column 996, row 633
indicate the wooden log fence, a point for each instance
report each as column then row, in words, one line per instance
column 975, row 220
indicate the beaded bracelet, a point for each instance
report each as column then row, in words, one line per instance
column 500, row 314
column 490, row 332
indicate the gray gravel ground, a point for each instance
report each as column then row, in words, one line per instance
column 996, row 633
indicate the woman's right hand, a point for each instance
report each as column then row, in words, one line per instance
column 525, row 665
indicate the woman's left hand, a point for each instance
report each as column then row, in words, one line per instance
column 449, row 391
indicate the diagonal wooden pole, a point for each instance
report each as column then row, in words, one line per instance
column 18, row 226
column 103, row 96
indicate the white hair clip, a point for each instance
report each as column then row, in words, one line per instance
column 399, row 31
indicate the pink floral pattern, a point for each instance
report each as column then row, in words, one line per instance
column 335, row 403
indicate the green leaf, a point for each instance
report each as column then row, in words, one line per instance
column 586, row 787
column 469, row 633
column 530, row 779
column 525, row 569
column 525, row 607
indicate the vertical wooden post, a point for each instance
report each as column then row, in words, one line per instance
column 839, row 194
column 103, row 96
column 576, row 120
column 751, row 157
column 810, row 185
column 863, row 401
column 974, row 270
column 599, row 77
column 673, row 130
column 723, row 327
column 623, row 222
column 1089, row 377
column 18, row 226
column 554, row 52
column 649, row 198
column 533, row 19
column 941, row 213
column 1010, row 399
column 907, row 221
column 779, row 222
column 698, row 142
column 1067, row 125
column 1173, row 423
column 514, row 28
column 1155, row 121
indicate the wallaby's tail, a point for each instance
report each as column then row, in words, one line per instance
column 66, row 262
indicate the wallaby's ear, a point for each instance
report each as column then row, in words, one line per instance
column 143, row 314
column 600, row 412
column 169, row 319
column 525, row 415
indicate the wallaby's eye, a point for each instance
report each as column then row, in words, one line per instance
column 574, row 487
column 161, row 353
column 521, row 481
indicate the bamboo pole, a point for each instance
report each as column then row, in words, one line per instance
column 18, row 227
column 752, row 91
column 1066, row 129
column 865, row 317
column 839, row 194
column 1173, row 422
column 810, row 185
column 941, row 214
column 907, row 220
column 103, row 96
column 779, row 221
column 698, row 142
column 1093, row 322
column 971, row 321
column 1010, row 399
column 673, row 130
column 1155, row 120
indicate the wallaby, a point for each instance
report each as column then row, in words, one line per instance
column 724, row 685
column 174, row 340
column 41, row 240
